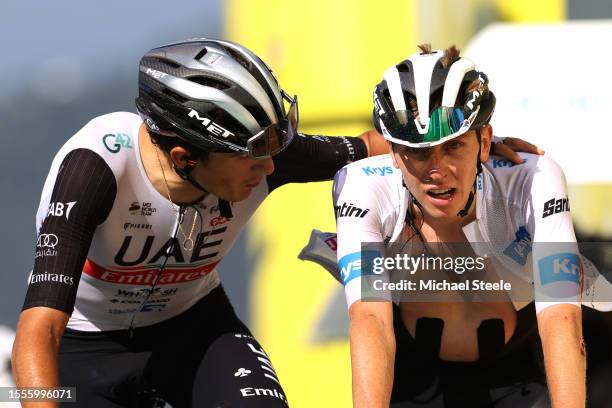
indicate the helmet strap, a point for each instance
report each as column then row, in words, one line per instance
column 184, row 173
column 470, row 199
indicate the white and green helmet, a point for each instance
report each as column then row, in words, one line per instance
column 424, row 78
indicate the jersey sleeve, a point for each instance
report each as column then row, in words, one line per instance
column 556, row 262
column 82, row 197
column 314, row 158
column 358, row 221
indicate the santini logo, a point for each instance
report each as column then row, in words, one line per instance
column 350, row 210
column 554, row 206
column 211, row 126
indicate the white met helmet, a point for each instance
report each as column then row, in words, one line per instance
column 424, row 78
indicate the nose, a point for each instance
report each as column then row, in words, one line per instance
column 266, row 165
column 436, row 163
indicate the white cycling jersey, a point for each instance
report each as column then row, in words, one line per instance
column 516, row 206
column 109, row 250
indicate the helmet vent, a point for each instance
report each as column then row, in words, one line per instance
column 200, row 54
column 403, row 67
column 170, row 63
column 238, row 57
column 209, row 82
column 175, row 96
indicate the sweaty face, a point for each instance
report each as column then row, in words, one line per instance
column 232, row 176
column 441, row 177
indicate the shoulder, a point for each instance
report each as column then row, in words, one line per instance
column 375, row 173
column 533, row 165
column 518, row 182
column 112, row 133
column 112, row 137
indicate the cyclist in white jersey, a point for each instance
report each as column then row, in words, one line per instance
column 124, row 300
column 438, row 185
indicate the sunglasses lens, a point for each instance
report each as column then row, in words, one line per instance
column 273, row 139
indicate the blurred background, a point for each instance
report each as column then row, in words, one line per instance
column 66, row 62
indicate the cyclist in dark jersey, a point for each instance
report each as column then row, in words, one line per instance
column 124, row 301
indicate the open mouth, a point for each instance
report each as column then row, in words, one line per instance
column 442, row 194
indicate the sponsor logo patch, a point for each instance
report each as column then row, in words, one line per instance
column 212, row 127
column 114, row 142
column 497, row 163
column 145, row 209
column 520, row 248
column 560, row 267
column 555, row 206
column 352, row 265
column 130, row 276
column 59, row 209
column 47, row 241
column 129, row 225
column 146, row 292
column 350, row 210
column 377, row 171
column 220, row 220
column 155, row 74
column 50, row 277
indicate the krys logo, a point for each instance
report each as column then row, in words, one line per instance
column 378, row 171
column 356, row 264
column 505, row 163
column 115, row 141
column 560, row 267
column 520, row 248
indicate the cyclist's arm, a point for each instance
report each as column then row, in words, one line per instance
column 557, row 281
column 314, row 158
column 560, row 328
column 372, row 353
column 82, row 196
column 35, row 350
column 358, row 220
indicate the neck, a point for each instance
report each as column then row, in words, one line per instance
column 446, row 229
column 161, row 173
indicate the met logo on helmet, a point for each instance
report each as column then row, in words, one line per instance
column 211, row 126
column 156, row 74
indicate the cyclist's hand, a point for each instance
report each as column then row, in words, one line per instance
column 509, row 146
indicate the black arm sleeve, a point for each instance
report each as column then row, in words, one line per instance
column 314, row 158
column 82, row 197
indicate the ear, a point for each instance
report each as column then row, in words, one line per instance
column 392, row 154
column 486, row 136
column 180, row 156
